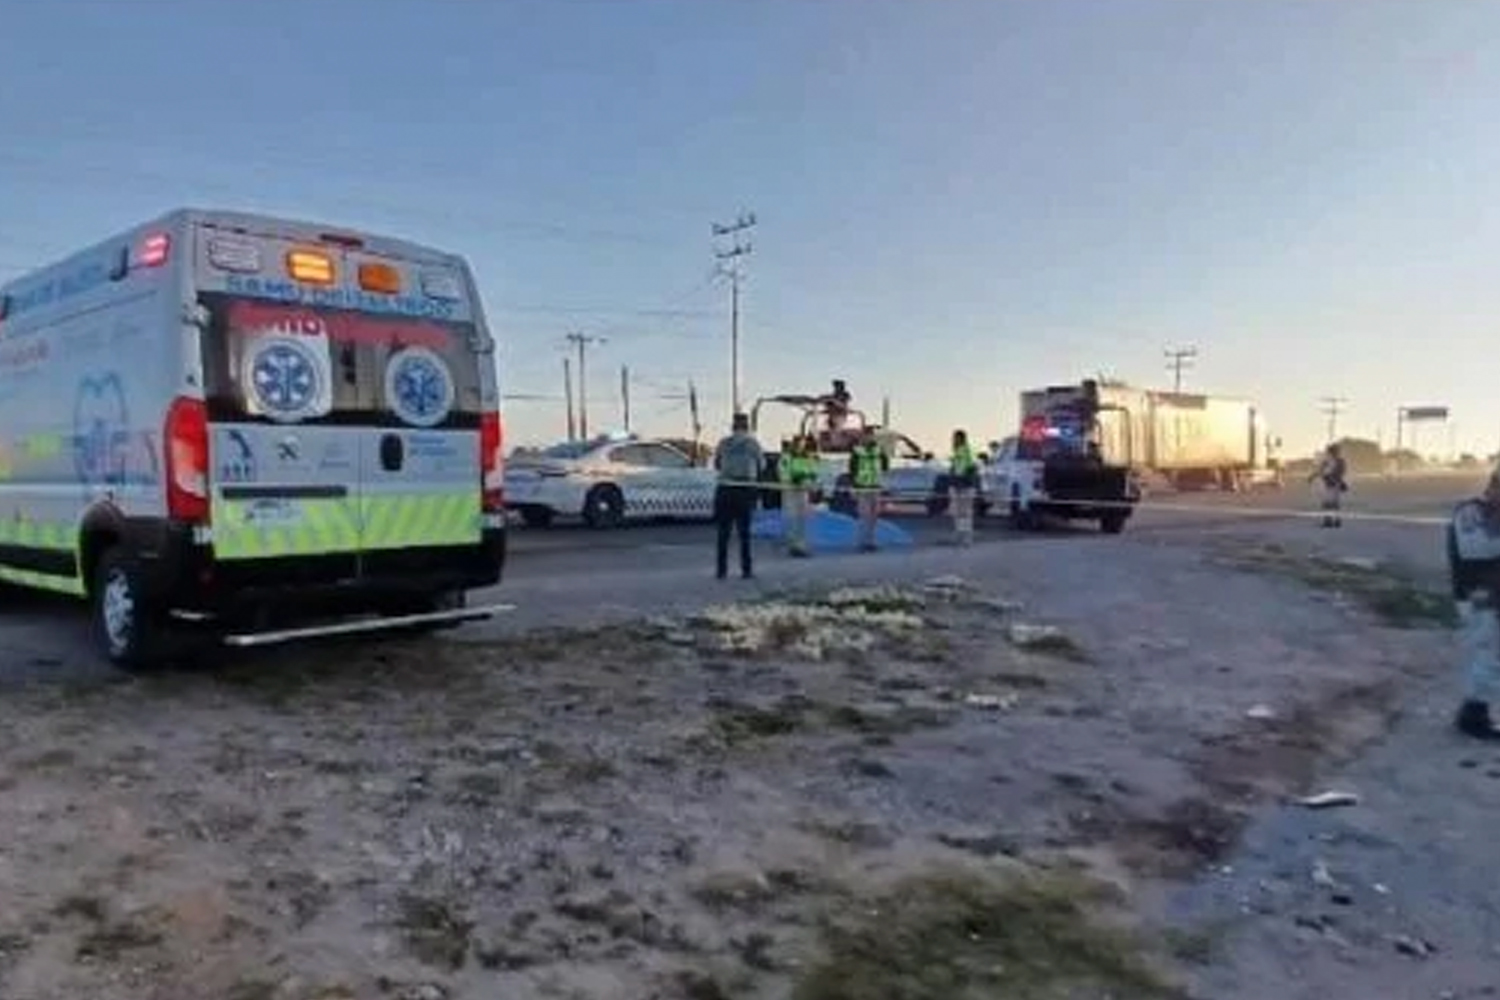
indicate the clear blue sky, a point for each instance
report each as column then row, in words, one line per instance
column 956, row 199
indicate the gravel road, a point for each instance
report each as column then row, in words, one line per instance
column 608, row 794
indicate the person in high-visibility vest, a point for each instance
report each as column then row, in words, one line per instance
column 799, row 472
column 963, row 483
column 866, row 464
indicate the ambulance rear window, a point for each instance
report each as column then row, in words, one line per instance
column 290, row 363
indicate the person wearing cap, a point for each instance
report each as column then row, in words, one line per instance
column 963, row 483
column 739, row 460
column 867, row 463
column 1474, row 570
column 1333, row 473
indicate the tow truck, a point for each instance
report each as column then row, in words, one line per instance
column 1056, row 468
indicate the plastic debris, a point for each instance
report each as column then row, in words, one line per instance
column 1328, row 800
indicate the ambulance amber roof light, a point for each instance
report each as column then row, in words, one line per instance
column 377, row 277
column 310, row 266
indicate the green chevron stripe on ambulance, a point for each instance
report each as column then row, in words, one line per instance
column 262, row 530
column 396, row 521
column 44, row 536
column 39, row 535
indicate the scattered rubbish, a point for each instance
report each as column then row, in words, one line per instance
column 1328, row 800
column 1034, row 635
column 1360, row 562
column 1260, row 712
column 992, row 702
column 1321, row 876
column 1381, row 889
column 1004, row 605
column 1414, row 947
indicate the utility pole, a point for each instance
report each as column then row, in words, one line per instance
column 1179, row 359
column 568, row 395
column 625, row 395
column 729, row 266
column 1332, row 407
column 582, row 342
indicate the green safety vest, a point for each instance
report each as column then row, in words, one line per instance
column 867, row 466
column 799, row 470
column 962, row 463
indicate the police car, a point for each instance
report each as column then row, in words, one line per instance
column 607, row 481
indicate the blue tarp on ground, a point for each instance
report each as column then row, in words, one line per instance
column 828, row 531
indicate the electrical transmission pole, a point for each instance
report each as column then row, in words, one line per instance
column 582, row 342
column 730, row 266
column 1332, row 407
column 1179, row 359
column 568, row 395
column 625, row 395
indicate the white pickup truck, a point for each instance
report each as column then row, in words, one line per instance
column 1047, row 471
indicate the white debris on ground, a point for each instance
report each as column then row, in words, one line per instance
column 1030, row 636
column 849, row 619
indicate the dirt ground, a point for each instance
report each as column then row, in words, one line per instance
column 1001, row 784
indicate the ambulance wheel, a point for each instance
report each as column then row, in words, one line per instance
column 1113, row 522
column 126, row 626
column 604, row 507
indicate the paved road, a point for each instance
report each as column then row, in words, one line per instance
column 561, row 548
column 554, row 567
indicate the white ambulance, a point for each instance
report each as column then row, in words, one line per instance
column 262, row 428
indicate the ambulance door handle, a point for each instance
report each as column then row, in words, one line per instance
column 392, row 452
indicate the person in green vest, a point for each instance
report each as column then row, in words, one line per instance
column 799, row 473
column 963, row 483
column 867, row 463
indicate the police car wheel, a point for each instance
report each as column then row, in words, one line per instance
column 126, row 627
column 604, row 507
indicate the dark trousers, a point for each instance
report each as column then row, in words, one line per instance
column 733, row 507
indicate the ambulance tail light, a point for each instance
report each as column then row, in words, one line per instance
column 492, row 462
column 186, row 440
column 155, row 250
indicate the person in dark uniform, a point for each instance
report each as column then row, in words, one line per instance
column 739, row 460
column 1474, row 569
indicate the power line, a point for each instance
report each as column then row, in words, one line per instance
column 1332, row 406
column 1179, row 359
column 583, row 341
column 734, row 271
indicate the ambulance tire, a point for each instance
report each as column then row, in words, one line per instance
column 127, row 628
column 443, row 600
column 604, row 507
column 1113, row 522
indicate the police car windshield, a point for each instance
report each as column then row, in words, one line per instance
column 570, row 450
column 292, row 363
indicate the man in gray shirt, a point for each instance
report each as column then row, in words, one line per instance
column 739, row 460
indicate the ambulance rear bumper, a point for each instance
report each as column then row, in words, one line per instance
column 184, row 577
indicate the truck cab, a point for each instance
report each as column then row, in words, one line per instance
column 1056, row 468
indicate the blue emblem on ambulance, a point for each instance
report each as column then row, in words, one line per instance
column 285, row 380
column 418, row 387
